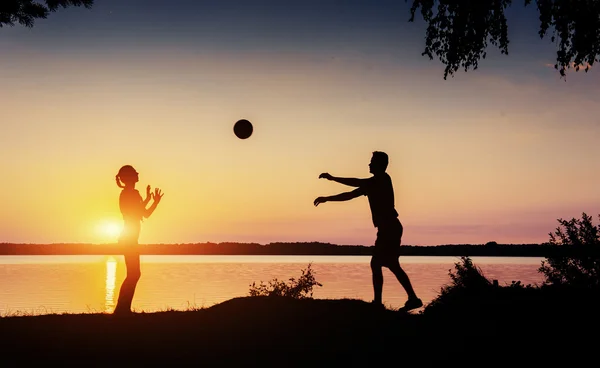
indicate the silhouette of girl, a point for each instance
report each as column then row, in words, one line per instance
column 134, row 210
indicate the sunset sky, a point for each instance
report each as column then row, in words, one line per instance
column 498, row 153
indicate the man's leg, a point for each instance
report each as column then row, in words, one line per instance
column 403, row 279
column 377, row 272
column 393, row 263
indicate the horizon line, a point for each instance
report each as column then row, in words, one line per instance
column 276, row 242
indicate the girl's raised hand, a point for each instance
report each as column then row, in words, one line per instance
column 157, row 195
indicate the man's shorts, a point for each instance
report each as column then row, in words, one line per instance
column 387, row 244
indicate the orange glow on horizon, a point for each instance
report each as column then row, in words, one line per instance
column 472, row 160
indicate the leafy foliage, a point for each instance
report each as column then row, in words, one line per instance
column 459, row 31
column 466, row 275
column 301, row 288
column 466, row 282
column 25, row 12
column 579, row 263
column 471, row 294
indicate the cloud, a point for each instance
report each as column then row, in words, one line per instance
column 584, row 66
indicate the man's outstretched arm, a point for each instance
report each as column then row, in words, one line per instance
column 339, row 197
column 352, row 182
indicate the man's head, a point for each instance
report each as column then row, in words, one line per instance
column 379, row 162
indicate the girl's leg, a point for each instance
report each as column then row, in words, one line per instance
column 132, row 262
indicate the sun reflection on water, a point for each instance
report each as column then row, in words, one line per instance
column 111, row 277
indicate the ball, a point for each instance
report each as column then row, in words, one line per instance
column 243, row 129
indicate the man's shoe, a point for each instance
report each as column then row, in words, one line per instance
column 412, row 303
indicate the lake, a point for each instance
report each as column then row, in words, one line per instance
column 83, row 284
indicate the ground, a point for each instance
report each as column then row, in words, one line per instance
column 287, row 332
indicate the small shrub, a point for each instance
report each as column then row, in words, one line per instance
column 467, row 275
column 467, row 281
column 301, row 288
column 577, row 263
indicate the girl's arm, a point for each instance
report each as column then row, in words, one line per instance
column 148, row 196
column 157, row 197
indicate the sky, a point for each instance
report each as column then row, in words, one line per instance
column 495, row 154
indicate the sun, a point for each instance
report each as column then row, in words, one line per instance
column 110, row 230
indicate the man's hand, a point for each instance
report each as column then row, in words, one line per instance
column 320, row 200
column 326, row 176
column 148, row 193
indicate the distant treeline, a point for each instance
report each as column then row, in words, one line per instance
column 307, row 248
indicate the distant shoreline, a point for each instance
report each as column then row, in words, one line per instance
column 491, row 249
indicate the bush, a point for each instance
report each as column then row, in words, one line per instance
column 467, row 281
column 577, row 263
column 301, row 288
column 465, row 275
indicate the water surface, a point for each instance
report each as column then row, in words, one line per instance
column 80, row 284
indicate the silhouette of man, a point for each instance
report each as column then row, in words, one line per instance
column 386, row 252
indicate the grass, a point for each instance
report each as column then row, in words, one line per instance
column 42, row 310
